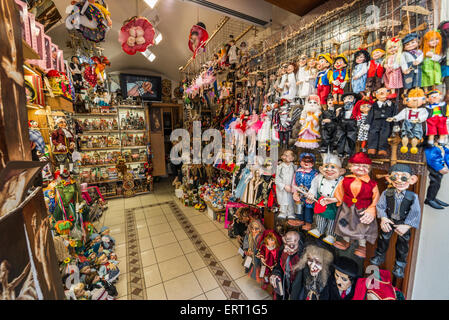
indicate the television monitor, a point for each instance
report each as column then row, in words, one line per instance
column 149, row 88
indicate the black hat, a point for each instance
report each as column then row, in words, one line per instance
column 400, row 167
column 355, row 95
column 347, row 266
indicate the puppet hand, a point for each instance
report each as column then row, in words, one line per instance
column 385, row 224
column 327, row 121
column 401, row 229
column 288, row 188
column 444, row 171
column 416, row 63
column 429, row 54
column 310, row 197
column 367, row 217
column 327, row 201
column 274, row 279
column 336, row 83
column 390, row 119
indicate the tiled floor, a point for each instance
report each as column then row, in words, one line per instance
column 168, row 251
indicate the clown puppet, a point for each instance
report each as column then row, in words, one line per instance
column 338, row 78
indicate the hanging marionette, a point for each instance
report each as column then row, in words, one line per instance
column 436, row 123
column 310, row 124
column 444, row 30
column 324, row 75
column 392, row 63
column 328, row 126
column 431, row 68
column 338, row 78
column 412, row 59
column 360, row 71
column 250, row 247
column 375, row 71
column 346, row 135
column 360, row 113
column 284, row 175
column 437, row 157
column 412, row 116
column 268, row 254
column 342, row 283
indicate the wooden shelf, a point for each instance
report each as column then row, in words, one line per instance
column 105, row 148
column 109, row 165
column 111, row 181
column 86, row 133
column 28, row 52
column 136, row 131
column 132, row 147
column 95, row 114
column 130, row 107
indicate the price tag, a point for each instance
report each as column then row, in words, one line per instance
column 241, row 252
column 262, row 271
column 248, row 262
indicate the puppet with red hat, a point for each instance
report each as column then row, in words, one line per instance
column 378, row 287
column 356, row 196
column 360, row 113
column 197, row 38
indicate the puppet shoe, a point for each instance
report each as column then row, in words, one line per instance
column 372, row 151
column 315, row 233
column 307, row 226
column 433, row 204
column 398, row 271
column 295, row 223
column 329, row 240
column 382, row 153
column 392, row 96
column 404, row 149
column 342, row 245
column 414, row 150
column 360, row 252
column 441, row 203
column 377, row 260
column 282, row 216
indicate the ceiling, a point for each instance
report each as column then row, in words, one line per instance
column 176, row 18
column 299, row 8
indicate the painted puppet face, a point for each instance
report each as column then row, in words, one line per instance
column 339, row 64
column 348, row 99
column 393, row 48
column 315, row 265
column 382, row 94
column 377, row 54
column 359, row 169
column 311, row 63
column 291, row 242
column 290, row 68
column 342, row 280
column 433, row 42
column 288, row 156
column 323, row 63
column 365, row 108
column 331, row 171
column 306, row 165
column 302, row 61
column 360, row 59
column 271, row 242
column 412, row 45
column 401, row 180
column 415, row 102
column 330, row 103
column 434, row 98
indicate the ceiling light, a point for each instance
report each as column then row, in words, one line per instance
column 158, row 38
column 151, row 3
column 149, row 55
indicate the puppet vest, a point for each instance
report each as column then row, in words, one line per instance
column 406, row 203
column 365, row 196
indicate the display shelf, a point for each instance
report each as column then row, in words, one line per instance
column 96, row 114
column 86, row 133
column 109, row 164
column 104, row 148
column 132, row 147
column 131, row 107
column 105, row 181
column 131, row 130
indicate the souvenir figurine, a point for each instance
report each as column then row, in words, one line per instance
column 378, row 287
column 324, row 185
column 310, row 124
column 312, row 72
column 283, row 278
column 270, row 90
column 302, row 77
column 63, row 143
column 322, row 83
column 282, row 79
column 375, row 71
column 360, row 71
column 436, row 123
column 313, row 271
column 301, row 184
column 431, row 68
column 360, row 113
column 258, row 96
column 444, row 30
column 239, row 224
column 108, row 269
column 328, row 126
column 233, row 54
column 289, row 92
column 413, row 116
column 282, row 123
column 356, row 196
column 392, row 63
column 346, row 135
column 342, row 284
column 250, row 247
column 412, row 58
column 77, row 74
column 268, row 254
column 284, row 175
column 107, row 240
column 379, row 128
column 399, row 211
column 36, row 136
column 338, row 78
column 437, row 157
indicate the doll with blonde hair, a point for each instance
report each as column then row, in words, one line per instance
column 431, row 68
column 392, row 63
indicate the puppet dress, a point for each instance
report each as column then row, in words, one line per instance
column 359, row 85
column 254, row 125
column 310, row 133
column 393, row 75
column 254, row 270
column 268, row 257
column 362, row 135
column 353, row 203
column 264, row 133
column 431, row 72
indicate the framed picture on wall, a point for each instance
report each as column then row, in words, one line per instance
column 156, row 120
column 149, row 88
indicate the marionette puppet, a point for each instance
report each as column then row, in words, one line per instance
column 412, row 60
column 360, row 114
column 36, row 136
column 285, row 173
column 346, row 134
column 399, row 211
column 268, row 253
column 302, row 80
column 254, row 125
column 322, row 83
column 338, row 78
column 77, row 74
column 289, row 92
column 437, row 157
column 239, row 224
column 375, row 71
column 342, row 283
column 444, row 31
column 431, row 68
column 197, row 38
column 379, row 128
column 270, row 91
column 356, row 196
column 323, row 186
column 301, row 183
column 436, row 123
column 412, row 116
column 250, row 247
column 328, row 126
column 377, row 287
column 392, row 63
column 282, row 79
column 313, row 273
column 360, row 71
column 258, row 96
column 310, row 124
column 233, row 54
column 283, row 278
column 63, row 143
